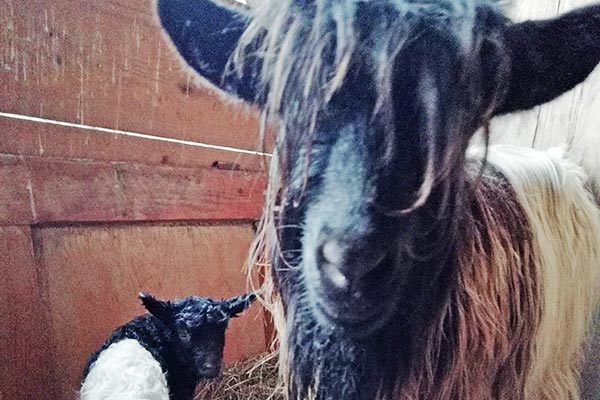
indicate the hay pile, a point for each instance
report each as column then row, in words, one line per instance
column 252, row 379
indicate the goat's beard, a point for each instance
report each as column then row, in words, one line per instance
column 327, row 361
column 328, row 364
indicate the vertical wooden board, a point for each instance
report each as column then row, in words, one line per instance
column 16, row 202
column 558, row 120
column 520, row 128
column 568, row 5
column 25, row 350
column 105, row 63
column 585, row 142
column 516, row 129
column 94, row 273
column 572, row 121
column 523, row 10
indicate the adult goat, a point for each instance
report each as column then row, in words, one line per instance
column 405, row 268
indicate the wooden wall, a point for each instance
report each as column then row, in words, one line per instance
column 90, row 217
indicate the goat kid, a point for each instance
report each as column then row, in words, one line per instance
column 164, row 354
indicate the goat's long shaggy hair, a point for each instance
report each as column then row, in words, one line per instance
column 524, row 234
column 314, row 43
column 516, row 314
column 309, row 50
column 564, row 223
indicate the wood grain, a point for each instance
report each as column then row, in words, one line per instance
column 520, row 128
column 29, row 138
column 15, row 196
column 26, row 352
column 93, row 275
column 105, row 63
column 40, row 190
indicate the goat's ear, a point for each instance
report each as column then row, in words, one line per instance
column 206, row 34
column 237, row 305
column 159, row 308
column 550, row 57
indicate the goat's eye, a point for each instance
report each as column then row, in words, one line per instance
column 184, row 336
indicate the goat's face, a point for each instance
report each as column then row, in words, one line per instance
column 376, row 102
column 198, row 326
column 363, row 191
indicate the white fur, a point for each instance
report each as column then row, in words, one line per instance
column 125, row 371
column 565, row 224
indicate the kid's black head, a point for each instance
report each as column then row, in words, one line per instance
column 198, row 325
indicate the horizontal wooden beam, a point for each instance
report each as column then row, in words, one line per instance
column 41, row 190
column 31, row 138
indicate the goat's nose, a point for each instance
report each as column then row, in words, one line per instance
column 333, row 252
column 343, row 264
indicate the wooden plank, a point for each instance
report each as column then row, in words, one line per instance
column 105, row 63
column 523, row 10
column 572, row 121
column 520, row 128
column 15, row 195
column 44, row 140
column 94, row 273
column 25, row 354
column 78, row 191
column 558, row 120
column 586, row 142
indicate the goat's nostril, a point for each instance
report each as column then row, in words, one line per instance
column 332, row 252
column 343, row 265
column 332, row 259
column 335, row 276
column 208, row 366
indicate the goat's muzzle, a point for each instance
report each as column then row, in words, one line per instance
column 356, row 281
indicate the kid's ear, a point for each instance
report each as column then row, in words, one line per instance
column 237, row 305
column 548, row 58
column 206, row 34
column 159, row 308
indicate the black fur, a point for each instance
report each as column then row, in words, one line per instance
column 183, row 336
column 546, row 58
column 550, row 57
column 205, row 37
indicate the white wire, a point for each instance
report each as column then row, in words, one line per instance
column 131, row 134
